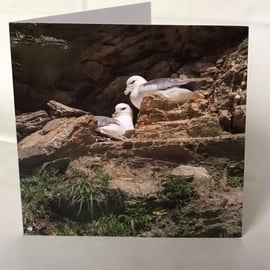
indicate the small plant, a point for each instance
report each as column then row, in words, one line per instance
column 112, row 226
column 235, row 181
column 137, row 217
column 63, row 227
column 177, row 191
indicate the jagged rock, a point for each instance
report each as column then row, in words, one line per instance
column 230, row 82
column 224, row 98
column 155, row 109
column 60, row 110
column 209, row 72
column 239, row 119
column 59, row 138
column 205, row 126
column 162, row 118
column 225, row 119
column 27, row 123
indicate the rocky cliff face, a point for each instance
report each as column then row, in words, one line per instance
column 181, row 169
column 84, row 66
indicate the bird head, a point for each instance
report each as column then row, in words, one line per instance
column 133, row 82
column 122, row 109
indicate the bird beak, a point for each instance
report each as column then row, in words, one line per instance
column 126, row 92
column 114, row 115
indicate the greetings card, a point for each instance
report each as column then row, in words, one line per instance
column 130, row 129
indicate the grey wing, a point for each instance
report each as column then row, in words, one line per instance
column 103, row 121
column 166, row 83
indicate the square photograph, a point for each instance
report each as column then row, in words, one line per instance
column 130, row 130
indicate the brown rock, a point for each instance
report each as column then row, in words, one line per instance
column 156, row 109
column 206, row 126
column 209, row 72
column 225, row 119
column 183, row 172
column 161, row 69
column 98, row 54
column 28, row 123
column 59, row 138
column 165, row 151
column 229, row 146
column 230, row 87
column 239, row 119
column 202, row 181
column 199, row 176
column 60, row 110
column 224, row 98
column 95, row 71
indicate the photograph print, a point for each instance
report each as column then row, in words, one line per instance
column 130, row 130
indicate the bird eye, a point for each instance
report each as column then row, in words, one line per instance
column 122, row 108
column 132, row 82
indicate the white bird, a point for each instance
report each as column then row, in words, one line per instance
column 117, row 125
column 169, row 88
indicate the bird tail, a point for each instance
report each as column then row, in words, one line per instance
column 193, row 84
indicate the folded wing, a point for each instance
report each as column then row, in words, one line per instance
column 103, row 121
column 167, row 83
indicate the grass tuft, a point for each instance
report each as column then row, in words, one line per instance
column 235, row 181
column 176, row 191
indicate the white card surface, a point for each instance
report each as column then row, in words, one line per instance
column 131, row 14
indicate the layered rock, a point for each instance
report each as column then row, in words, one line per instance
column 59, row 138
column 221, row 110
column 28, row 123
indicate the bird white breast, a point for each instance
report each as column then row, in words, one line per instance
column 136, row 99
column 126, row 122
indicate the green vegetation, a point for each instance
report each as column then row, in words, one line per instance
column 81, row 203
column 177, row 191
column 235, row 181
column 47, row 195
column 37, row 193
column 136, row 219
column 87, row 189
column 47, row 198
